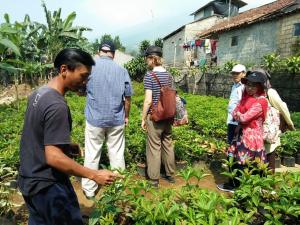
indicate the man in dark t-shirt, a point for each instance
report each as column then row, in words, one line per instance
column 46, row 146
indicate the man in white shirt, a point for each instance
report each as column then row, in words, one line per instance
column 237, row 72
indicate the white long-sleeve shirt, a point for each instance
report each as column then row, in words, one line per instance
column 234, row 99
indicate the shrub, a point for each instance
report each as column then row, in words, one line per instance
column 296, row 119
column 174, row 71
column 290, row 143
column 136, row 68
column 271, row 61
column 292, row 64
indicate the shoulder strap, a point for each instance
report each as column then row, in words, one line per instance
column 156, row 78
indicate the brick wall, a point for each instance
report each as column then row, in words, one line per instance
column 287, row 85
column 171, row 46
column 254, row 41
column 285, row 34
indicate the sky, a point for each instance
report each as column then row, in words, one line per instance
column 132, row 20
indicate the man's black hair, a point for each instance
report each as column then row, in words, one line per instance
column 73, row 57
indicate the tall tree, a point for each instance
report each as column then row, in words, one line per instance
column 27, row 48
column 116, row 40
column 118, row 44
column 59, row 33
column 143, row 46
column 95, row 46
column 106, row 37
column 158, row 42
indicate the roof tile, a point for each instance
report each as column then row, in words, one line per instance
column 247, row 17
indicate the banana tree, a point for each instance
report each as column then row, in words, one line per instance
column 24, row 35
column 27, row 48
column 7, row 49
column 7, row 45
column 59, row 33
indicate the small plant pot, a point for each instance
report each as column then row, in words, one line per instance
column 203, row 157
column 215, row 165
column 297, row 158
column 180, row 165
column 200, row 164
column 141, row 169
column 277, row 162
column 288, row 161
column 6, row 221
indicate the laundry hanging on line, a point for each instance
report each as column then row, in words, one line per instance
column 209, row 45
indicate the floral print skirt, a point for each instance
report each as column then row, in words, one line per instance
column 242, row 154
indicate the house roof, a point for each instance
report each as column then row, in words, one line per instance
column 174, row 32
column 121, row 57
column 183, row 26
column 238, row 3
column 249, row 17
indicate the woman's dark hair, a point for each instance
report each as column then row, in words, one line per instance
column 73, row 57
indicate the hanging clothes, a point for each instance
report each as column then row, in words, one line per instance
column 189, row 45
column 198, row 42
column 193, row 44
column 186, row 46
column 202, row 62
column 213, row 44
column 202, row 44
column 207, row 46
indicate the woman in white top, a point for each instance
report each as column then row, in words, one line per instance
column 285, row 118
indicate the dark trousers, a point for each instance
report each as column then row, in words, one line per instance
column 54, row 205
column 230, row 132
column 271, row 161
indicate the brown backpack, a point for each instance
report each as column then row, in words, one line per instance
column 166, row 105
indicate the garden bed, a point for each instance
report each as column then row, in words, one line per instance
column 201, row 143
column 87, row 206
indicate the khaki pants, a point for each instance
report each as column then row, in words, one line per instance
column 159, row 148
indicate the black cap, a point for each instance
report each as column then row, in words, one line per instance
column 265, row 72
column 107, row 46
column 255, row 77
column 153, row 50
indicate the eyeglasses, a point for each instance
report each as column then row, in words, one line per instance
column 250, row 84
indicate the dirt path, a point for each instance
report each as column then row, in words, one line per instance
column 8, row 94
